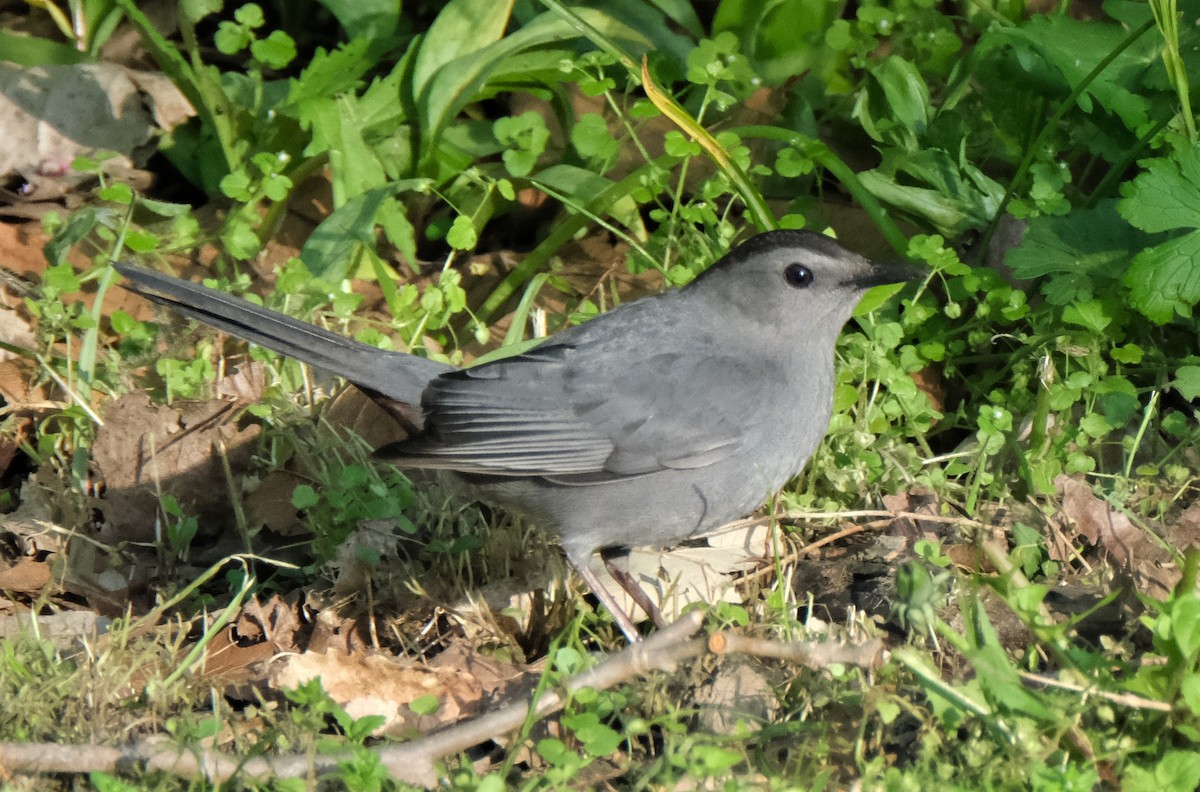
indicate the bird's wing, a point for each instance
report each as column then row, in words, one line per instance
column 582, row 418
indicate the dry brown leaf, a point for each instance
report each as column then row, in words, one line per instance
column 142, row 448
column 498, row 680
column 356, row 412
column 49, row 115
column 16, row 378
column 165, row 101
column 245, row 384
column 27, row 576
column 683, row 575
column 1185, row 533
column 1149, row 565
column 275, row 620
column 239, row 653
column 377, row 685
column 270, row 504
column 1098, row 522
column 738, row 692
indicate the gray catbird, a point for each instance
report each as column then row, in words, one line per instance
column 659, row 420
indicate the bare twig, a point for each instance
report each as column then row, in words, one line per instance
column 415, row 762
column 814, row 654
column 411, row 762
column 1124, row 699
column 796, row 555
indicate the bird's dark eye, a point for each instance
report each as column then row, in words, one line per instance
column 798, row 275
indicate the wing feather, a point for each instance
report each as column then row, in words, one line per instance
column 579, row 411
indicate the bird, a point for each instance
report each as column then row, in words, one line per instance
column 660, row 420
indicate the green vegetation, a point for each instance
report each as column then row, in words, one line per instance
column 1046, row 169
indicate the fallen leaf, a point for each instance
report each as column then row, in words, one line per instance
column 1150, row 567
column 143, row 449
column 27, row 576
column 378, row 685
column 65, row 630
column 49, row 115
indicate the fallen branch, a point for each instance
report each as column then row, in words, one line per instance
column 415, row 762
column 814, row 654
column 412, row 763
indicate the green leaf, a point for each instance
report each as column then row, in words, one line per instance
column 1187, row 382
column 591, row 138
column 463, row 27
column 441, row 94
column 598, row 739
column 955, row 196
column 231, row 39
column 425, row 705
column 1095, row 425
column 1165, row 280
column 1166, row 196
column 781, row 38
column 276, row 50
column 711, row 760
column 1091, row 315
column 33, row 51
column 526, row 136
column 1129, row 353
column 332, row 245
column 250, row 15
column 584, row 190
column 876, row 297
column 365, row 20
column 896, row 107
column 462, row 234
column 1078, row 252
column 1072, row 48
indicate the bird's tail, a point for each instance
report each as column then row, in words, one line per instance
column 395, row 375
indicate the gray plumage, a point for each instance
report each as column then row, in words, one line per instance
column 660, row 420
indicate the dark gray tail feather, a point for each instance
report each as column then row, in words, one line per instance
column 396, row 375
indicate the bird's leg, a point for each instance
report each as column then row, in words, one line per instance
column 607, row 599
column 616, row 561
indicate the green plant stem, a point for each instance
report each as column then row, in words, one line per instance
column 210, row 102
column 589, row 31
column 756, row 205
column 827, row 159
column 1118, row 169
column 1050, row 126
column 91, row 338
column 1141, row 432
column 559, row 236
column 1166, row 17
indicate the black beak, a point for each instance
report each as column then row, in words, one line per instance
column 885, row 272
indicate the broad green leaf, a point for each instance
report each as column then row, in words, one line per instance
column 781, row 38
column 682, row 13
column 329, row 250
column 35, row 51
column 579, row 188
column 457, row 83
column 1090, row 314
column 1080, row 251
column 334, row 72
column 463, row 27
column 591, row 138
column 1073, row 48
column 958, row 197
column 895, row 108
column 365, row 19
column 876, row 297
column 1165, row 280
column 1166, row 196
column 1187, row 382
